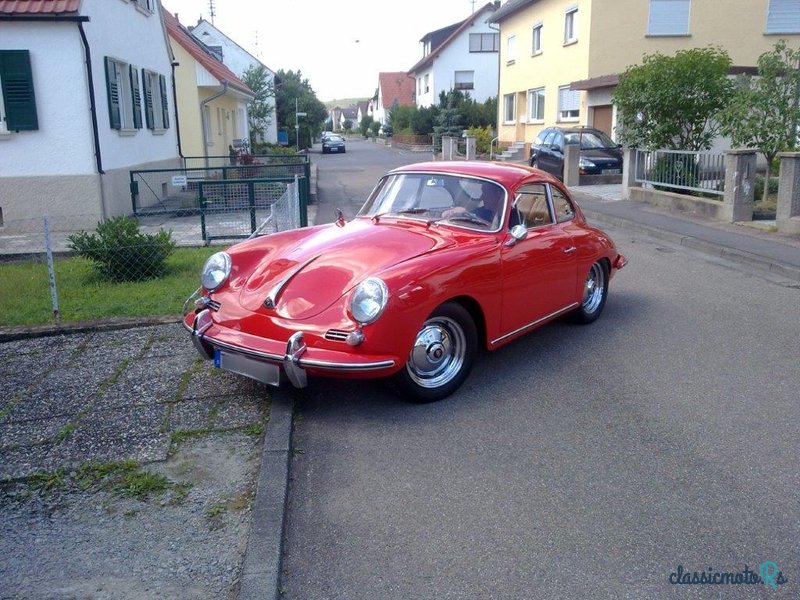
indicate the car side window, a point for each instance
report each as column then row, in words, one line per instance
column 531, row 207
column 541, row 137
column 562, row 205
column 558, row 141
column 549, row 139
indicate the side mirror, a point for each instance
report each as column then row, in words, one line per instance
column 517, row 233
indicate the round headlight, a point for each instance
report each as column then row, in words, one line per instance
column 368, row 300
column 216, row 271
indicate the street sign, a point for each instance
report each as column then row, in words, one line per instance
column 301, row 114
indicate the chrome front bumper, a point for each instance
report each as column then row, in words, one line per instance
column 294, row 361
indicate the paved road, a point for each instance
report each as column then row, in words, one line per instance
column 579, row 462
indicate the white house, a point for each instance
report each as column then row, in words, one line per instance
column 462, row 56
column 238, row 60
column 86, row 97
column 394, row 88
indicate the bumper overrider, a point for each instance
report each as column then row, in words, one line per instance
column 264, row 360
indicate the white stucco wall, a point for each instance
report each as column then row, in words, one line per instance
column 237, row 60
column 457, row 57
column 63, row 144
column 117, row 29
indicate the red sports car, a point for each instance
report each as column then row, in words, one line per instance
column 443, row 258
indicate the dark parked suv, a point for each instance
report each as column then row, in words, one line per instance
column 599, row 155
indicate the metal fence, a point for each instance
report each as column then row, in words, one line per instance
column 241, row 208
column 702, row 172
column 177, row 191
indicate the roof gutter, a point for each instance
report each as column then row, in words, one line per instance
column 203, row 104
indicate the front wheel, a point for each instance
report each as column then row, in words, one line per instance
column 442, row 355
column 595, row 291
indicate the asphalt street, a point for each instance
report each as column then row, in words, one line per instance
column 577, row 462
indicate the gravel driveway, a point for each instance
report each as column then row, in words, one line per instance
column 127, row 469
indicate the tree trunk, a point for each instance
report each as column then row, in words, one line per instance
column 767, row 176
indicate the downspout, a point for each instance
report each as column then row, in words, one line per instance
column 93, row 108
column 175, row 106
column 499, row 105
column 203, row 117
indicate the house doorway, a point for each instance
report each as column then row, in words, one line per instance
column 602, row 118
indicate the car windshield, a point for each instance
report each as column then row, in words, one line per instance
column 335, row 138
column 589, row 139
column 457, row 200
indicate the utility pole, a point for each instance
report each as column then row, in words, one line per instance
column 297, row 116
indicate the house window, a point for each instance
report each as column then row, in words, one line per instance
column 509, row 108
column 464, row 80
column 571, row 25
column 536, row 105
column 426, row 49
column 17, row 100
column 156, row 106
column 536, row 46
column 569, row 104
column 148, row 5
column 483, row 42
column 426, row 86
column 124, row 95
column 511, row 49
column 668, row 17
column 783, row 16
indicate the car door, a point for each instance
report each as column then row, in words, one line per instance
column 544, row 158
column 539, row 272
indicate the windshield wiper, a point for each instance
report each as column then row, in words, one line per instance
column 407, row 211
column 469, row 219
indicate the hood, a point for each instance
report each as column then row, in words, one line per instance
column 305, row 275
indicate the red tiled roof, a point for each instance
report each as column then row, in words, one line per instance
column 396, row 86
column 28, row 7
column 185, row 39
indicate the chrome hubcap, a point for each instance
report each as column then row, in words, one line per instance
column 438, row 352
column 593, row 292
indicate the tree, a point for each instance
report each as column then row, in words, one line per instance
column 448, row 121
column 364, row 126
column 674, row 101
column 765, row 110
column 261, row 109
column 293, row 87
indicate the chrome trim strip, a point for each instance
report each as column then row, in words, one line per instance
column 272, row 296
column 304, row 362
column 536, row 322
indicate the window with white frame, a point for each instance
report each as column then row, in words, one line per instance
column 464, row 80
column 426, row 83
column 783, row 16
column 536, row 45
column 569, row 104
column 509, row 108
column 511, row 49
column 124, row 95
column 668, row 17
column 17, row 98
column 571, row 25
column 536, row 105
column 156, row 106
column 483, row 42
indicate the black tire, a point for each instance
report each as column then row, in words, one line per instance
column 595, row 292
column 442, row 356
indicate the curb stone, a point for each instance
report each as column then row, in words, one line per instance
column 261, row 571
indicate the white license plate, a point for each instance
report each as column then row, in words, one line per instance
column 611, row 171
column 334, row 149
column 255, row 369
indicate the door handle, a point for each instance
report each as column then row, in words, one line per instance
column 570, row 250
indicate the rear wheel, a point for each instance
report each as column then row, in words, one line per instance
column 442, row 356
column 595, row 291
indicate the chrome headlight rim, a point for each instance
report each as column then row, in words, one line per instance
column 381, row 299
column 219, row 262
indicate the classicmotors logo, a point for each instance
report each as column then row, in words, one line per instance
column 768, row 574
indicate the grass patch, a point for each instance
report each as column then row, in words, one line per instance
column 83, row 294
column 123, row 478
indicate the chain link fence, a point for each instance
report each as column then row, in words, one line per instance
column 53, row 272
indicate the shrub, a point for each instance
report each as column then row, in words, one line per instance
column 759, row 186
column 120, row 252
column 483, row 138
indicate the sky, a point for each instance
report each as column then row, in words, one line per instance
column 340, row 46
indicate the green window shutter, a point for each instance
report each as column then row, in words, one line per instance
column 112, row 89
column 17, row 82
column 148, row 98
column 136, row 97
column 164, row 104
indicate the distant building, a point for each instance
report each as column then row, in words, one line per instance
column 393, row 88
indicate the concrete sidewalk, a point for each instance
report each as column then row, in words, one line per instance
column 742, row 243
